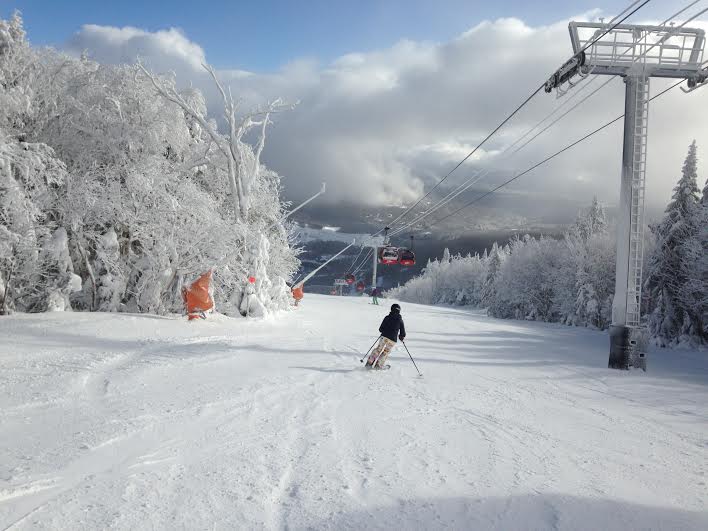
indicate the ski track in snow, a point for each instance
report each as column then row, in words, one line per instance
column 145, row 422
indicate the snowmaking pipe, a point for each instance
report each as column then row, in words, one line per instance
column 411, row 357
column 308, row 277
column 367, row 352
column 286, row 216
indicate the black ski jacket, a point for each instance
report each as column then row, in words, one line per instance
column 392, row 327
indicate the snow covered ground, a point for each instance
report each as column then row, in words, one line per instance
column 144, row 422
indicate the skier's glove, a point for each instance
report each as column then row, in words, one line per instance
column 402, row 338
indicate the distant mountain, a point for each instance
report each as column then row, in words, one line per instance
column 319, row 245
column 499, row 211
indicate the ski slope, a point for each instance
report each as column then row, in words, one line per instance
column 116, row 421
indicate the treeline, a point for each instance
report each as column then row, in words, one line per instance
column 571, row 280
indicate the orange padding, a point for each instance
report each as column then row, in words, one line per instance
column 298, row 293
column 196, row 297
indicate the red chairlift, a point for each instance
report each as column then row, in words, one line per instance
column 360, row 286
column 388, row 255
column 349, row 278
column 406, row 257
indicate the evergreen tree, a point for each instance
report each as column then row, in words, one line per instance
column 592, row 221
column 494, row 261
column 670, row 267
column 594, row 276
column 696, row 289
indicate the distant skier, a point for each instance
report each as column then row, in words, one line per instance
column 374, row 295
column 391, row 330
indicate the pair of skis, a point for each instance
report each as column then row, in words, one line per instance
column 420, row 375
column 374, row 366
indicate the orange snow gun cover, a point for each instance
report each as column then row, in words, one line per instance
column 196, row 297
column 298, row 293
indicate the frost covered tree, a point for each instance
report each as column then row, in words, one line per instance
column 241, row 163
column 35, row 272
column 452, row 280
column 494, row 262
column 593, row 251
column 524, row 287
column 101, row 180
column 568, row 280
column 673, row 268
column 593, row 221
column 571, row 279
column 694, row 293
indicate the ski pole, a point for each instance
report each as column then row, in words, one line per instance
column 367, row 352
column 411, row 357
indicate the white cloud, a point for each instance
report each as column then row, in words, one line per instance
column 168, row 49
column 377, row 125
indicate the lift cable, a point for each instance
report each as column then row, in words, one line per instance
column 549, row 158
column 465, row 186
column 611, row 27
column 482, row 173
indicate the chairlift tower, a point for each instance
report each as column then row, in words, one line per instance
column 637, row 53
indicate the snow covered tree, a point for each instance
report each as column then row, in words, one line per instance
column 592, row 221
column 34, row 272
column 451, row 280
column 246, row 176
column 594, row 254
column 493, row 265
column 525, row 283
column 694, row 293
column 595, row 282
column 101, row 180
column 672, row 267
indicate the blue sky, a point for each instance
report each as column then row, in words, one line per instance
column 263, row 35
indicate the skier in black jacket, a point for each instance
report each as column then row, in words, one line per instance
column 391, row 330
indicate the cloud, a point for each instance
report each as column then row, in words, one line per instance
column 378, row 126
column 166, row 49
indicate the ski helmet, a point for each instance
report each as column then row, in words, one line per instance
column 395, row 308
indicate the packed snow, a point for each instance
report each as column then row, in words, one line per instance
column 126, row 421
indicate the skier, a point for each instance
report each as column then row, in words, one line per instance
column 374, row 295
column 391, row 329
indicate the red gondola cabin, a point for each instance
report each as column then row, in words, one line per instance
column 406, row 257
column 388, row 255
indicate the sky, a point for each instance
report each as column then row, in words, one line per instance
column 391, row 94
column 264, row 35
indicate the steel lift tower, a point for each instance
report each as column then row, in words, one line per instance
column 637, row 53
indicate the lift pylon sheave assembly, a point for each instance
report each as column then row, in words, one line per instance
column 636, row 53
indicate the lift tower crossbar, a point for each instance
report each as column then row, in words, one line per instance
column 637, row 53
